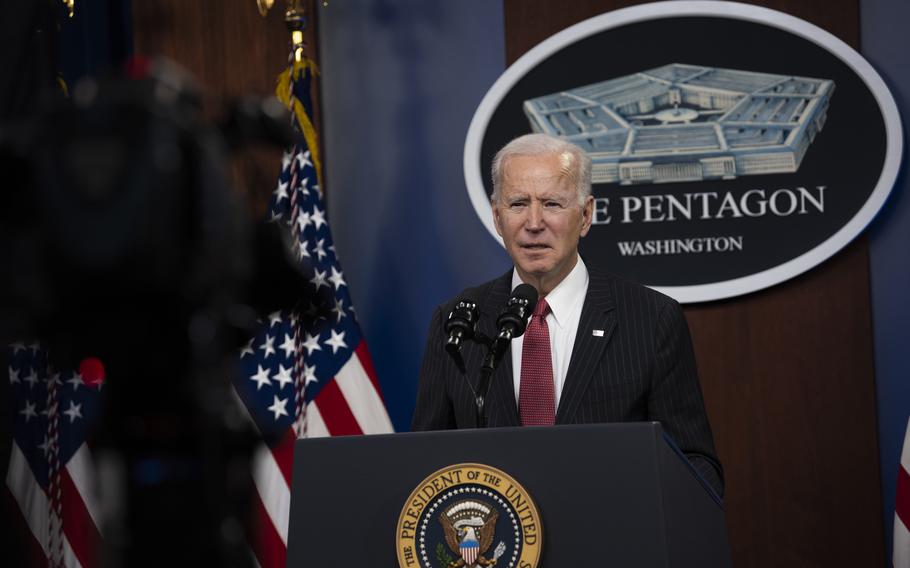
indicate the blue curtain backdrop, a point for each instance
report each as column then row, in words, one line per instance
column 886, row 45
column 400, row 82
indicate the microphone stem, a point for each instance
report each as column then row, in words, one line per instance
column 486, row 371
column 490, row 361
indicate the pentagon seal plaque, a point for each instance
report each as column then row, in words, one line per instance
column 469, row 515
column 719, row 167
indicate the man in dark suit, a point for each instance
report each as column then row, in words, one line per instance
column 596, row 349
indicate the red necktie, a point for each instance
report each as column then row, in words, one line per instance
column 536, row 394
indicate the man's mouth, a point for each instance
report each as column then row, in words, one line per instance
column 534, row 246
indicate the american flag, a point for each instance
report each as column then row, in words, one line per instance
column 305, row 373
column 50, row 474
column 901, row 557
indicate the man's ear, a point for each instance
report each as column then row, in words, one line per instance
column 587, row 215
column 496, row 220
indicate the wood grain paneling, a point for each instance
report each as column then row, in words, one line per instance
column 788, row 381
column 232, row 51
column 787, row 372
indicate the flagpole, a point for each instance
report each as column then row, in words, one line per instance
column 295, row 20
column 294, row 7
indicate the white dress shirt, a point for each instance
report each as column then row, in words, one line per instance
column 565, row 301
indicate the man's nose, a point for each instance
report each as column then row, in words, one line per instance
column 534, row 221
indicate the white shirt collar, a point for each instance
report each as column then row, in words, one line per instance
column 563, row 299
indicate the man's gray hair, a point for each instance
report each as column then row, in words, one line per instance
column 575, row 161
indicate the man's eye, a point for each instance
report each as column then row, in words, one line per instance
column 517, row 204
column 552, row 205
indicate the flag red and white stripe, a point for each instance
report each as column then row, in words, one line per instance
column 50, row 480
column 349, row 405
column 901, row 557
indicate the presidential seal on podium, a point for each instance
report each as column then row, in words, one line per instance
column 469, row 515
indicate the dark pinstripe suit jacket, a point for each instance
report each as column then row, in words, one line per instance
column 641, row 369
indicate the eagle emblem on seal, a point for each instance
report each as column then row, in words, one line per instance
column 470, row 528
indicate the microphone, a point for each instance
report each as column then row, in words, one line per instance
column 513, row 319
column 511, row 322
column 460, row 326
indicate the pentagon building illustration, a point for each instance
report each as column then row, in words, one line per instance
column 687, row 123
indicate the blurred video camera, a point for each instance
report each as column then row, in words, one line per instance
column 123, row 241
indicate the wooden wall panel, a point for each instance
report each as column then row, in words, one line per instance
column 232, row 51
column 787, row 372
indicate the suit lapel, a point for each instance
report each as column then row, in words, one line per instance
column 501, row 407
column 598, row 313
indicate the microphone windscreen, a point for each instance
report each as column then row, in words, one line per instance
column 526, row 292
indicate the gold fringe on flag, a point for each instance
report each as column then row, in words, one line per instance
column 63, row 88
column 284, row 93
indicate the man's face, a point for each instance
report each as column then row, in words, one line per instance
column 539, row 218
